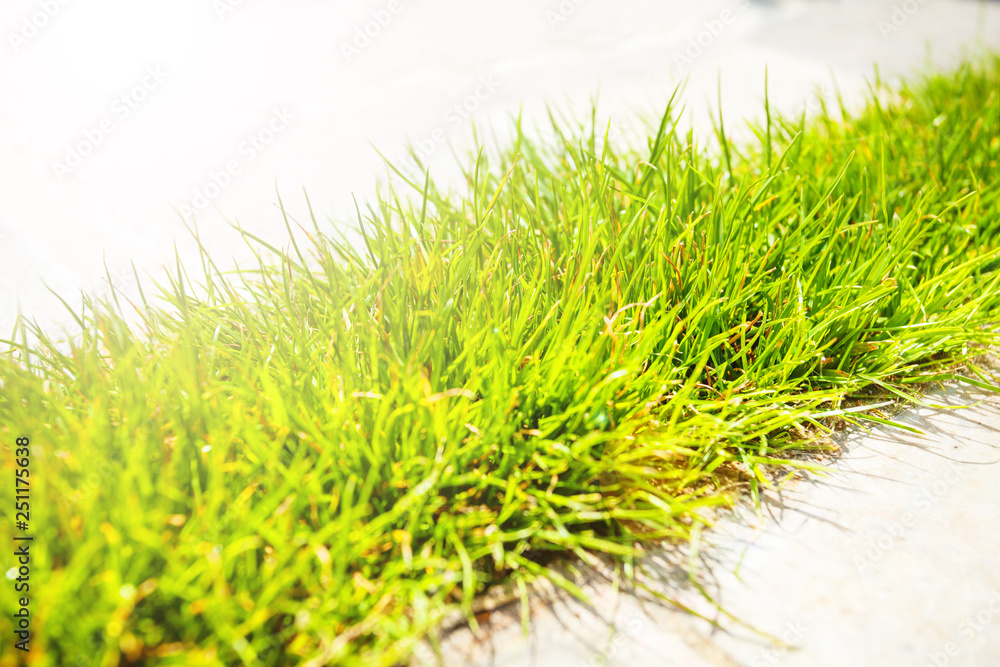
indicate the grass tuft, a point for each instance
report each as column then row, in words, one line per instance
column 590, row 347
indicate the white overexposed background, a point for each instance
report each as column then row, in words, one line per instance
column 118, row 115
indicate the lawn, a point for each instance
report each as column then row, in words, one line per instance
column 585, row 351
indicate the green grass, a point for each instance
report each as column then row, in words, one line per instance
column 589, row 348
